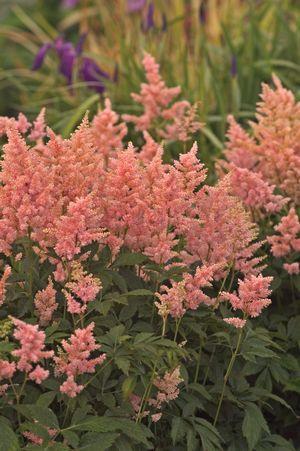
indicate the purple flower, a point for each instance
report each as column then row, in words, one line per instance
column 40, row 56
column 69, row 3
column 164, row 23
column 233, row 67
column 92, row 74
column 203, row 12
column 148, row 23
column 67, row 56
column 89, row 70
column 134, row 6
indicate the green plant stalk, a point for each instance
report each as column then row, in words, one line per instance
column 198, row 362
column 228, row 372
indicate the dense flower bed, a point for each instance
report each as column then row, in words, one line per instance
column 131, row 287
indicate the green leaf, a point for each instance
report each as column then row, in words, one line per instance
column 123, row 364
column 139, row 292
column 136, row 431
column 78, row 113
column 210, row 438
column 71, row 438
column 293, row 385
column 46, row 399
column 129, row 259
column 128, row 386
column 43, row 415
column 6, row 346
column 8, row 441
column 253, row 424
column 101, row 443
column 201, row 390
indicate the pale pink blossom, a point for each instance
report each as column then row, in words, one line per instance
column 255, row 193
column 45, row 303
column 70, row 388
column 155, row 98
column 107, row 134
column 82, row 286
column 287, row 238
column 75, row 358
column 33, row 438
column 3, row 281
column 167, row 386
column 39, row 127
column 39, row 374
column 292, row 268
column 156, row 417
column 252, row 295
column 238, row 323
column 32, row 342
column 7, row 369
column 274, row 150
column 3, row 389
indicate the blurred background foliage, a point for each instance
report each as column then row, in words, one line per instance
column 219, row 51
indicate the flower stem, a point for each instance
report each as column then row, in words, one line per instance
column 228, row 372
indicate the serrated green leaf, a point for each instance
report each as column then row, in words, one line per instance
column 104, row 442
column 8, row 441
column 46, row 399
column 129, row 259
column 253, row 424
column 43, row 415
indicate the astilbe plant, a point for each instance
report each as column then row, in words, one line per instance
column 264, row 169
column 110, row 259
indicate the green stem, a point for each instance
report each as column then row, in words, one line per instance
column 164, row 326
column 208, row 366
column 177, row 328
column 222, row 286
column 145, row 396
column 198, row 362
column 98, row 372
column 228, row 372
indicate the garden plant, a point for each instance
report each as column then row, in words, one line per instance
column 149, row 256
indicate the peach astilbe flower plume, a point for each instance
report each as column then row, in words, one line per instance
column 7, row 369
column 106, row 133
column 155, row 98
column 238, row 323
column 287, row 240
column 27, row 199
column 186, row 294
column 45, row 303
column 222, row 233
column 83, row 287
column 167, row 388
column 76, row 358
column 150, row 149
column 252, row 295
column 254, row 192
column 21, row 124
column 3, row 280
column 39, row 127
column 78, row 227
column 32, row 341
column 274, row 150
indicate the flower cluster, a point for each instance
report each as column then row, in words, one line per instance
column 252, row 296
column 76, row 359
column 167, row 391
column 45, row 303
column 155, row 98
column 83, row 287
column 273, row 152
column 287, row 242
column 186, row 294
